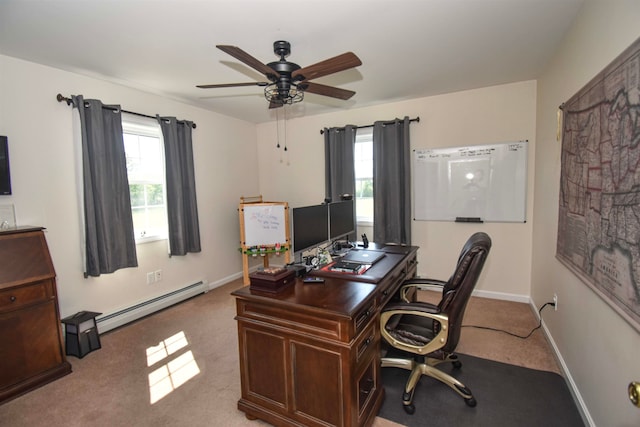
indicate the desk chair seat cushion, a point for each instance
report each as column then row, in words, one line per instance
column 411, row 329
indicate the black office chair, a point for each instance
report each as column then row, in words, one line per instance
column 426, row 334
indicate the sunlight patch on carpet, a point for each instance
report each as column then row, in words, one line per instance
column 174, row 372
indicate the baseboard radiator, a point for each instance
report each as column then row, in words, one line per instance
column 118, row 318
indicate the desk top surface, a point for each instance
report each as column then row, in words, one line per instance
column 341, row 294
column 333, row 297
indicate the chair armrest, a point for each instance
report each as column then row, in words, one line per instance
column 419, row 283
column 421, row 309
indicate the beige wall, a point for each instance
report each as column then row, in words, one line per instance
column 44, row 189
column 599, row 349
column 489, row 115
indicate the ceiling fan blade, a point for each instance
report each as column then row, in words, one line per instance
column 273, row 104
column 325, row 90
column 249, row 60
column 328, row 66
column 232, row 85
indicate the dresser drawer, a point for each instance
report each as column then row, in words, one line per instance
column 20, row 296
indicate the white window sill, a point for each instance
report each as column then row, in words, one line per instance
column 149, row 239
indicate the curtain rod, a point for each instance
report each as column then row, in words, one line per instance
column 417, row 119
column 69, row 101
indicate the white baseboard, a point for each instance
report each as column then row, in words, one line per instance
column 577, row 397
column 117, row 318
column 223, row 281
column 230, row 278
column 501, row 296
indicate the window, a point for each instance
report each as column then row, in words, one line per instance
column 363, row 158
column 145, row 169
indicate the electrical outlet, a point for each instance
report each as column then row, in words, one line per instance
column 555, row 302
column 158, row 275
column 150, row 278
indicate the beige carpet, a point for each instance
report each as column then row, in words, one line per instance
column 185, row 360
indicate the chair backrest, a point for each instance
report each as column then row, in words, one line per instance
column 458, row 289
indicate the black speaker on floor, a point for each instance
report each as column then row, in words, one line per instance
column 5, row 176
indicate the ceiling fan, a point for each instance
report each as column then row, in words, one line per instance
column 288, row 81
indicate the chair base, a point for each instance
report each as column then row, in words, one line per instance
column 428, row 367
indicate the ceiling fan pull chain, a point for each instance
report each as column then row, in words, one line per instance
column 284, row 112
column 277, row 130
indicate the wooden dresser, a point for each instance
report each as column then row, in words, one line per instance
column 31, row 344
column 310, row 354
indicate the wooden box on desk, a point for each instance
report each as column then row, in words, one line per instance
column 273, row 279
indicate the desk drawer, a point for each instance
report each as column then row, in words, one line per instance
column 368, row 342
column 363, row 318
column 367, row 387
column 389, row 288
column 341, row 329
column 15, row 298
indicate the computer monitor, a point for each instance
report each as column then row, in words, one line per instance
column 5, row 176
column 341, row 219
column 310, row 227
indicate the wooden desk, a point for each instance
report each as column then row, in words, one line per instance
column 310, row 355
column 31, row 349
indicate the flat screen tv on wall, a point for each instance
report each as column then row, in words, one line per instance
column 5, row 177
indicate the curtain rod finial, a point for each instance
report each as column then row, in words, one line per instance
column 61, row 98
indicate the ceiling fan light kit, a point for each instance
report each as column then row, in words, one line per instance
column 288, row 81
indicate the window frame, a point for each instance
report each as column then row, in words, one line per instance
column 363, row 135
column 141, row 126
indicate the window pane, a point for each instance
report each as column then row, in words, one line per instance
column 364, row 187
column 363, row 165
column 364, row 159
column 364, row 209
column 145, row 171
column 139, row 221
column 157, row 220
column 137, row 194
column 155, row 194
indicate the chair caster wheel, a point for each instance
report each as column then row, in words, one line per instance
column 471, row 402
column 409, row 409
column 457, row 364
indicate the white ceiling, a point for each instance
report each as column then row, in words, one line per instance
column 409, row 48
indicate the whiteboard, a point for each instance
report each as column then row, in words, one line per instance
column 264, row 225
column 485, row 183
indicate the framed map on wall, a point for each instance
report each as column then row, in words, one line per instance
column 599, row 205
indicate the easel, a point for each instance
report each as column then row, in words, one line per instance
column 265, row 231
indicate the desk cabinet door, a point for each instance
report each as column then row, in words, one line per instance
column 318, row 393
column 263, row 371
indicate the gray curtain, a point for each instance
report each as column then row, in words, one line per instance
column 339, row 161
column 109, row 238
column 391, row 182
column 182, row 206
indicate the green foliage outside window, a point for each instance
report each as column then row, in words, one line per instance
column 364, row 187
column 137, row 194
column 155, row 195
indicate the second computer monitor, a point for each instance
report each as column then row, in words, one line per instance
column 310, row 226
column 342, row 220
